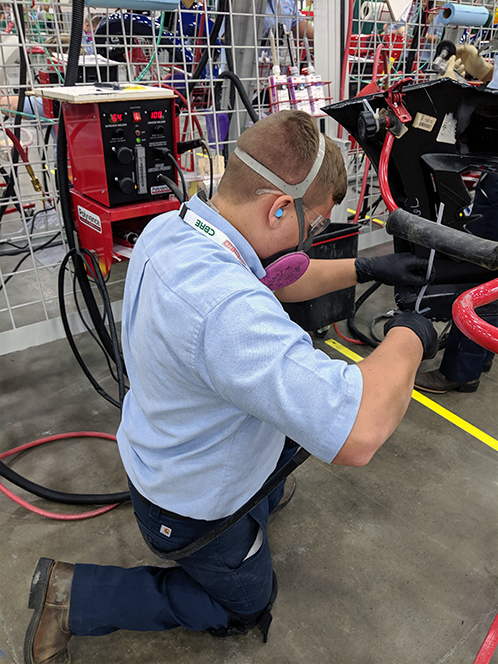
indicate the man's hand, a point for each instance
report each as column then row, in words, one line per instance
column 403, row 269
column 422, row 327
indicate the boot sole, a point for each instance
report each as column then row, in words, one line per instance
column 37, row 595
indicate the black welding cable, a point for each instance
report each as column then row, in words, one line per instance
column 90, row 331
column 104, row 294
column 275, row 479
column 63, row 180
column 351, row 324
column 240, row 89
column 211, row 39
column 180, row 173
column 211, row 169
column 173, row 186
column 65, row 322
column 59, row 496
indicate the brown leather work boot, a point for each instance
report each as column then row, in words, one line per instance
column 436, row 382
column 48, row 632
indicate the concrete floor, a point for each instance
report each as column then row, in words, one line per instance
column 394, row 563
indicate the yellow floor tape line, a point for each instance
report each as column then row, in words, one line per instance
column 428, row 403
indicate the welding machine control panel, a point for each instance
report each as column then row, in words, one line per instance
column 137, row 139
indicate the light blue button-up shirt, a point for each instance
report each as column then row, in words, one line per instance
column 219, row 374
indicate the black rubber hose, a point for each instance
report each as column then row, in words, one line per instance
column 351, row 324
column 64, row 185
column 180, row 173
column 73, row 54
column 104, row 293
column 173, row 186
column 444, row 239
column 211, row 38
column 67, row 215
column 240, row 89
column 65, row 322
column 59, row 496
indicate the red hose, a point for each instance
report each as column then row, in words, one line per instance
column 55, row 515
column 17, row 143
column 45, row 513
column 351, row 341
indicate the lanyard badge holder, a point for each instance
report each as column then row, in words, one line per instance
column 287, row 269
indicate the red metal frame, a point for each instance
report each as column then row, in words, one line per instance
column 94, row 221
column 469, row 322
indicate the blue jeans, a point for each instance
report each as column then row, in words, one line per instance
column 200, row 593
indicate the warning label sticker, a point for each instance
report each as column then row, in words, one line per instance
column 90, row 219
column 425, row 122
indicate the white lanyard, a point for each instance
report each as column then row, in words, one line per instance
column 213, row 233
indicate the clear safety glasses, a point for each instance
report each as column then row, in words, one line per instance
column 319, row 223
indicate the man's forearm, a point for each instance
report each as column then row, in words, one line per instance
column 388, row 376
column 322, row 276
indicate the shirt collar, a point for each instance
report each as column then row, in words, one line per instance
column 213, row 217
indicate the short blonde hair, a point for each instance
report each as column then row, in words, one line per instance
column 287, row 144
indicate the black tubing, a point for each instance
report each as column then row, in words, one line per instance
column 240, row 89
column 64, row 185
column 351, row 324
column 444, row 239
column 69, row 335
column 173, row 186
column 222, row 8
column 59, row 496
column 73, row 54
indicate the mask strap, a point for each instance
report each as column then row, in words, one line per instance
column 297, row 191
column 294, row 190
column 298, row 203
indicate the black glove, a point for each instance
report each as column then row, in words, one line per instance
column 404, row 269
column 422, row 327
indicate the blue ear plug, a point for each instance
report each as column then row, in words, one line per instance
column 279, row 213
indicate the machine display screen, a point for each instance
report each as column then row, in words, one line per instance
column 156, row 115
column 114, row 118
